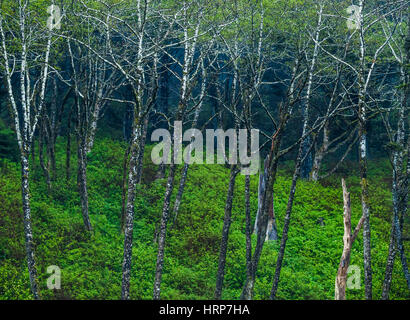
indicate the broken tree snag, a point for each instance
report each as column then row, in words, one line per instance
column 348, row 239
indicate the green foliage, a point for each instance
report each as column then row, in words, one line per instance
column 91, row 263
column 8, row 143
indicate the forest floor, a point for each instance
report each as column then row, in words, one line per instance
column 90, row 263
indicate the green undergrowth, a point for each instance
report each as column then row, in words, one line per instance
column 90, row 263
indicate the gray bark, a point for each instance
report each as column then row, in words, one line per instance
column 82, row 182
column 25, row 192
column 163, row 232
column 225, row 234
column 129, row 218
column 247, row 291
column 286, row 224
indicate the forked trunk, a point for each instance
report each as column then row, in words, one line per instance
column 348, row 239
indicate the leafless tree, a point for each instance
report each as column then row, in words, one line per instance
column 348, row 239
column 28, row 62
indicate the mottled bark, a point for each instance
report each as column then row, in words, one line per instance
column 141, row 149
column 390, row 263
column 184, row 173
column 181, row 188
column 320, row 153
column 286, row 224
column 129, row 218
column 362, row 117
column 140, row 112
column 365, row 205
column 124, row 186
column 225, row 234
column 248, row 231
column 163, row 232
column 28, row 233
column 306, row 165
column 82, row 183
column 82, row 164
column 272, row 165
column 187, row 84
column 31, row 100
column 247, row 291
column 397, row 162
column 271, row 231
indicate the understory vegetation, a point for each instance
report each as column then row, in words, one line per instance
column 91, row 262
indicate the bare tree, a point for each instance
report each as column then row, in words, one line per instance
column 29, row 62
column 193, row 27
column 93, row 82
column 366, row 20
column 397, row 144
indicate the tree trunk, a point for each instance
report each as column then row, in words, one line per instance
column 25, row 192
column 247, row 290
column 45, row 168
column 365, row 207
column 286, row 224
column 248, row 231
column 307, row 164
column 225, row 234
column 398, row 158
column 163, row 232
column 184, row 174
column 141, row 149
column 319, row 155
column 129, row 219
column 390, row 263
column 348, row 239
column 362, row 117
column 178, row 198
column 82, row 182
column 404, row 182
column 124, row 186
